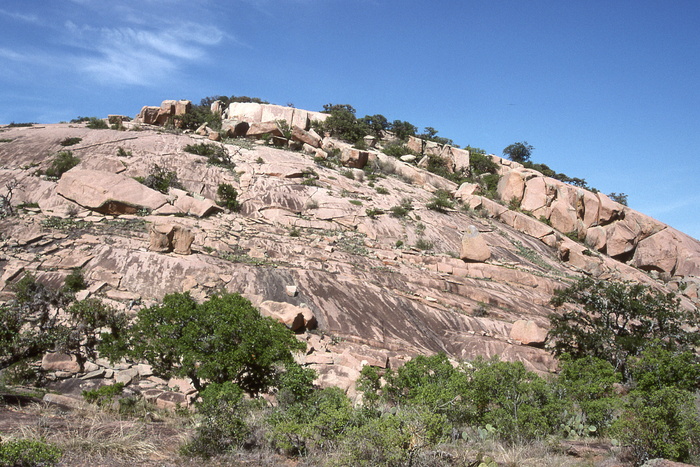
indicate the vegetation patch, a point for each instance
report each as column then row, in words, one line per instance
column 61, row 163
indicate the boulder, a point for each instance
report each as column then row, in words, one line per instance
column 528, row 333
column 298, row 134
column 108, row 193
column 351, row 157
column 171, row 400
column 657, row 253
column 460, row 159
column 511, row 186
column 60, row 362
column 245, row 112
column 164, row 238
column 466, row 190
column 474, row 247
column 608, row 209
column 563, row 216
column 294, row 317
column 264, row 128
column 148, row 115
column 271, row 113
column 194, row 206
column 182, row 107
column 537, row 194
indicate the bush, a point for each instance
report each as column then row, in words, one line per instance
column 589, row 383
column 403, row 209
column 223, row 339
column 70, row 141
column 228, row 196
column 397, row 149
column 518, row 152
column 517, row 403
column 161, row 179
column 314, row 423
column 28, row 452
column 481, row 164
column 216, row 155
column 75, row 281
column 103, row 396
column 95, row 123
column 222, row 428
column 614, row 321
column 342, row 123
column 441, row 201
column 662, row 423
column 61, row 163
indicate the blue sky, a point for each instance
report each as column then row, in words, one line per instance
column 608, row 91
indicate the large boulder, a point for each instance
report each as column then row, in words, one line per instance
column 108, row 193
column 351, row 157
column 474, row 247
column 511, row 186
column 164, row 238
column 528, row 333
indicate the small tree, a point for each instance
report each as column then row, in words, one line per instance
column 223, row 339
column 518, row 152
column 614, row 320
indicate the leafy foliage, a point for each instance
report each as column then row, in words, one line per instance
column 662, row 423
column 70, row 141
column 61, row 163
column 223, row 428
column 614, row 321
column 228, row 196
column 161, row 179
column 589, row 383
column 441, row 201
column 402, row 209
column 223, row 339
column 95, row 123
column 28, row 452
column 518, row 152
column 215, row 154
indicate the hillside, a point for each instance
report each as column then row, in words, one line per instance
column 372, row 259
column 384, row 287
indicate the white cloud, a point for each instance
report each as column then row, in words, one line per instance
column 131, row 55
column 20, row 17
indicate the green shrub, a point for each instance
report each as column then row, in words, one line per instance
column 70, row 141
column 589, row 383
column 61, row 163
column 423, row 244
column 402, row 209
column 105, row 395
column 480, row 164
column 441, row 201
column 95, row 123
column 657, row 367
column 614, row 321
column 223, row 339
column 222, row 428
column 381, row 190
column 661, row 423
column 28, row 452
column 517, row 403
column 312, row 424
column 121, row 152
column 161, row 179
column 216, row 154
column 342, row 123
column 228, row 196
column 75, row 281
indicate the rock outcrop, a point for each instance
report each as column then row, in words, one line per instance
column 381, row 288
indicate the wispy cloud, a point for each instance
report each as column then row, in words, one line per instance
column 20, row 17
column 131, row 55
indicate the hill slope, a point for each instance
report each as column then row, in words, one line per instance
column 320, row 241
